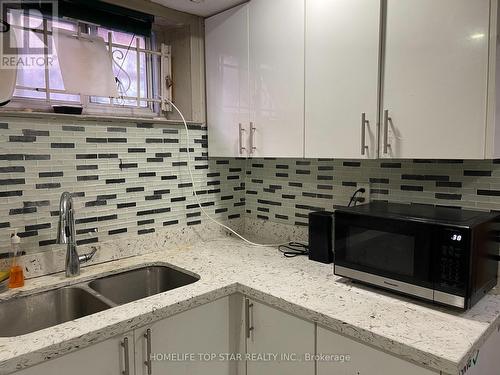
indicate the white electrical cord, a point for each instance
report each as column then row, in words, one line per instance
column 188, row 141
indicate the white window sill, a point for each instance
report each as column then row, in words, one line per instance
column 103, row 118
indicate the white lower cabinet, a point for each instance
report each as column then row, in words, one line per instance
column 111, row 357
column 348, row 357
column 260, row 339
column 270, row 332
column 184, row 344
column 485, row 361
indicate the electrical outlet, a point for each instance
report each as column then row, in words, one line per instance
column 364, row 197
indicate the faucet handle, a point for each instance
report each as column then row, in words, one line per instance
column 86, row 257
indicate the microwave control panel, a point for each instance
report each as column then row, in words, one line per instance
column 452, row 259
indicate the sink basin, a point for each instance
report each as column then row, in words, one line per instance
column 140, row 283
column 22, row 315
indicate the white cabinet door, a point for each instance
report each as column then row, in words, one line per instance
column 275, row 332
column 485, row 361
column 105, row 358
column 277, row 77
column 226, row 45
column 342, row 59
column 435, row 78
column 188, row 336
column 361, row 360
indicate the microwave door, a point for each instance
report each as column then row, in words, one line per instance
column 394, row 253
column 389, row 253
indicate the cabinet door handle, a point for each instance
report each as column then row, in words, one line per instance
column 147, row 362
column 252, row 138
column 126, row 357
column 364, row 124
column 240, row 138
column 387, row 119
column 248, row 327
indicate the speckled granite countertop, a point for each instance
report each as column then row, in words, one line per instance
column 418, row 332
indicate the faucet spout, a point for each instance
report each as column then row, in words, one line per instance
column 65, row 230
column 66, row 234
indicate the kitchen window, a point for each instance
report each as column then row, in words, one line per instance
column 137, row 64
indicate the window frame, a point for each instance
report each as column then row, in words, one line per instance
column 155, row 74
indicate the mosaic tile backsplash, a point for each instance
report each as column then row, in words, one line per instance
column 286, row 190
column 127, row 179
column 130, row 179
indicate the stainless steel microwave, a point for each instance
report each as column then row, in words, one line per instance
column 443, row 255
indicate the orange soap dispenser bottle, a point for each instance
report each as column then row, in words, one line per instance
column 16, row 279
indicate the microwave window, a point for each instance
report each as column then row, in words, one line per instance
column 388, row 252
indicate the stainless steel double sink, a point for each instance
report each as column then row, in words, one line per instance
column 22, row 315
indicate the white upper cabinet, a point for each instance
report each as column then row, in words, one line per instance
column 435, row 79
column 227, row 82
column 255, row 80
column 354, row 79
column 342, row 54
column 277, row 77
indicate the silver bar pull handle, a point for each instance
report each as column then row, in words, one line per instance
column 252, row 138
column 126, row 357
column 248, row 327
column 240, row 138
column 147, row 362
column 364, row 124
column 387, row 119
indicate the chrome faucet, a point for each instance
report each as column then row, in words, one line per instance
column 66, row 234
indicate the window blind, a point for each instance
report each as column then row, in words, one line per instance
column 98, row 12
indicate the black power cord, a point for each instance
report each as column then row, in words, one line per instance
column 353, row 197
column 294, row 249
